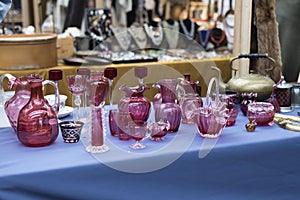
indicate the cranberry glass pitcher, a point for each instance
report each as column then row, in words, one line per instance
column 21, row 96
column 168, row 110
column 37, row 123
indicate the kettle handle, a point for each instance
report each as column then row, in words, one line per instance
column 252, row 55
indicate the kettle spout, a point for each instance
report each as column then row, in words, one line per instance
column 222, row 85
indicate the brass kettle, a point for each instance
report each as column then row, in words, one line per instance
column 256, row 83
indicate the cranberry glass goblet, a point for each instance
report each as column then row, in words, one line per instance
column 138, row 131
column 140, row 73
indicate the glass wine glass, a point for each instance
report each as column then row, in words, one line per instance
column 138, row 130
column 77, row 85
column 84, row 71
column 140, row 73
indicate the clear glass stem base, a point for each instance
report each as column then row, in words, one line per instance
column 97, row 149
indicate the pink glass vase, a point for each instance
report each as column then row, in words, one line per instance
column 37, row 122
column 20, row 98
column 168, row 110
column 97, row 95
column 135, row 102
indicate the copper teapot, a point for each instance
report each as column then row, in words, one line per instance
column 256, row 83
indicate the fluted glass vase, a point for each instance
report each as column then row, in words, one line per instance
column 97, row 94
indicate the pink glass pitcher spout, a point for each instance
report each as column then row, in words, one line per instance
column 168, row 89
column 134, row 91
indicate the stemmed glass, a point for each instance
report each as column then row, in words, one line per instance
column 138, row 130
column 140, row 73
column 77, row 85
column 87, row 72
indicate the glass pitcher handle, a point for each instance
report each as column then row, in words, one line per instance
column 57, row 97
column 212, row 80
column 2, row 94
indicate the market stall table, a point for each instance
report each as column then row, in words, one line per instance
column 238, row 165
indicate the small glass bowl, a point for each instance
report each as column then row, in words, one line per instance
column 230, row 96
column 71, row 130
column 262, row 112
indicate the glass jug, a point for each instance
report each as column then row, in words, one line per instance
column 168, row 110
column 37, row 123
column 189, row 100
column 21, row 96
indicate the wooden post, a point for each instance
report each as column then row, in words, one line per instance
column 36, row 15
column 242, row 34
column 25, row 13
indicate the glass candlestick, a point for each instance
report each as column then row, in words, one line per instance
column 110, row 73
column 140, row 73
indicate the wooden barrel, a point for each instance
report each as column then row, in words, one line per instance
column 19, row 51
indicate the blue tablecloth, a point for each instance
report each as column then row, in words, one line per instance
column 239, row 165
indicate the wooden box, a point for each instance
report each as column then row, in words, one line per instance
column 65, row 47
